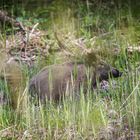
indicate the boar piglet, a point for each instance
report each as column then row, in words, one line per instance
column 54, row 82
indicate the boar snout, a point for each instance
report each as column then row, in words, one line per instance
column 116, row 73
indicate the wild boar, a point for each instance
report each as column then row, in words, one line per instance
column 11, row 73
column 54, row 82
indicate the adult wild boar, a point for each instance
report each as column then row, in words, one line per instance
column 54, row 82
column 11, row 74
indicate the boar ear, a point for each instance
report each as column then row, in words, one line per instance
column 91, row 58
column 116, row 73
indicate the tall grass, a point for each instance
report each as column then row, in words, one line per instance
column 101, row 115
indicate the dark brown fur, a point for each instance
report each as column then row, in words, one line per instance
column 57, row 80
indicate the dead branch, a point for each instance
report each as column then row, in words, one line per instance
column 4, row 18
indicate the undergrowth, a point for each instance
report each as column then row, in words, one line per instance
column 102, row 115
